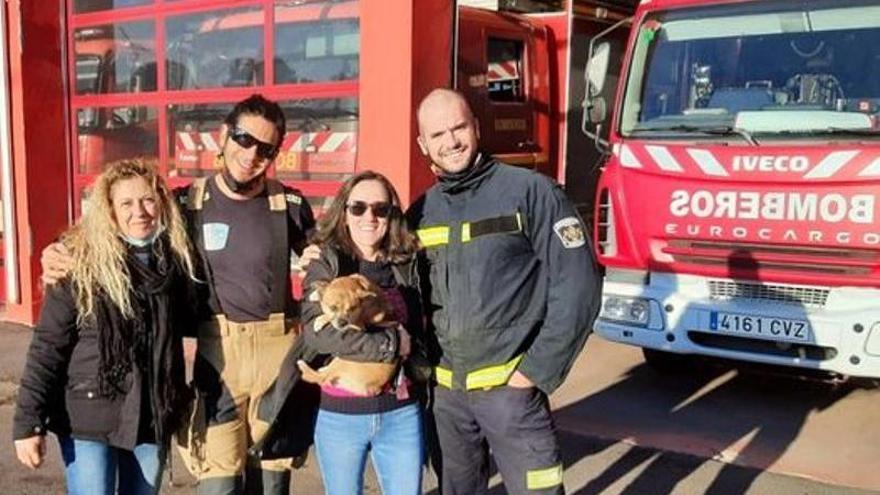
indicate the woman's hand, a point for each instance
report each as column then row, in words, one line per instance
column 31, row 450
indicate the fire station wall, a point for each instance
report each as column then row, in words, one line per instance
column 38, row 142
column 404, row 56
column 401, row 62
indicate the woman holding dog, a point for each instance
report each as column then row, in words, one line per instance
column 364, row 231
column 105, row 368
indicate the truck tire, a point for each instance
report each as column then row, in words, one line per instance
column 667, row 363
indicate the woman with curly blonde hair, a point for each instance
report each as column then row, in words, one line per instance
column 105, row 369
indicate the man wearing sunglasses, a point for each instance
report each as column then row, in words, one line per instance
column 513, row 292
column 244, row 226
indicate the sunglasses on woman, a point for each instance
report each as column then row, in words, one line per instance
column 380, row 210
column 245, row 140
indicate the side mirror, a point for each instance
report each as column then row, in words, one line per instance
column 596, row 110
column 595, row 74
column 597, row 69
column 595, row 77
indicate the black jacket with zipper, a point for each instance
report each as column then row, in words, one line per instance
column 290, row 406
column 59, row 386
column 510, row 270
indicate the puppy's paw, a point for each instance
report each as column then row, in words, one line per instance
column 311, row 375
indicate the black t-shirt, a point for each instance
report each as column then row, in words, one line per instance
column 237, row 242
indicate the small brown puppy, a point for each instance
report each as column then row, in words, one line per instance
column 351, row 302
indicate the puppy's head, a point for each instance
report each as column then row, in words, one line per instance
column 352, row 302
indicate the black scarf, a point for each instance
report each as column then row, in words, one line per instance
column 147, row 341
column 468, row 178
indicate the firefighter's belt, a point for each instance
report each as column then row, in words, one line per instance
column 483, row 378
column 219, row 325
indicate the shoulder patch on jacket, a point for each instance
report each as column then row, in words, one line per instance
column 570, row 232
column 293, row 198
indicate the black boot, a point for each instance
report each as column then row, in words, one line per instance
column 230, row 485
column 253, row 480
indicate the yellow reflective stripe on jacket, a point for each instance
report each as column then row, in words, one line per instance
column 433, row 236
column 540, row 479
column 492, row 376
column 439, row 235
column 444, row 376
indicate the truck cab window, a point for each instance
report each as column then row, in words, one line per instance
column 763, row 69
column 317, row 51
column 112, row 57
column 215, row 49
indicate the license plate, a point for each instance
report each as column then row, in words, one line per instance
column 760, row 326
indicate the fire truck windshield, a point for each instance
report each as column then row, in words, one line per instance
column 798, row 69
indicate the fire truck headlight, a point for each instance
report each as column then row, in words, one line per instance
column 632, row 310
column 872, row 343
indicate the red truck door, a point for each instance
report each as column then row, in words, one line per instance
column 498, row 70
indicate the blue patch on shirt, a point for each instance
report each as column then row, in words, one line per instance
column 216, row 235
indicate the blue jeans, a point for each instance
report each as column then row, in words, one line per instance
column 395, row 440
column 92, row 468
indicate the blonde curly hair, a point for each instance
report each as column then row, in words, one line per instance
column 99, row 252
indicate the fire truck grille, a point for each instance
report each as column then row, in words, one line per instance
column 724, row 290
column 766, row 347
column 748, row 258
column 606, row 236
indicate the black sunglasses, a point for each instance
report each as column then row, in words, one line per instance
column 380, row 209
column 246, row 141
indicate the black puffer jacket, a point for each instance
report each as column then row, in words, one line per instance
column 290, row 405
column 353, row 344
column 60, row 387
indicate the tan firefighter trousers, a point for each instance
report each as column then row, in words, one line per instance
column 247, row 357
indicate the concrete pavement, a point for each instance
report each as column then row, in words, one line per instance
column 777, row 423
column 624, row 430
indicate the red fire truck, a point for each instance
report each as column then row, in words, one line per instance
column 98, row 80
column 737, row 213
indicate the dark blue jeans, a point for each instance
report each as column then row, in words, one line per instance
column 394, row 439
column 95, row 468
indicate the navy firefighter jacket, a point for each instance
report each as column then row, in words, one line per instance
column 513, row 282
